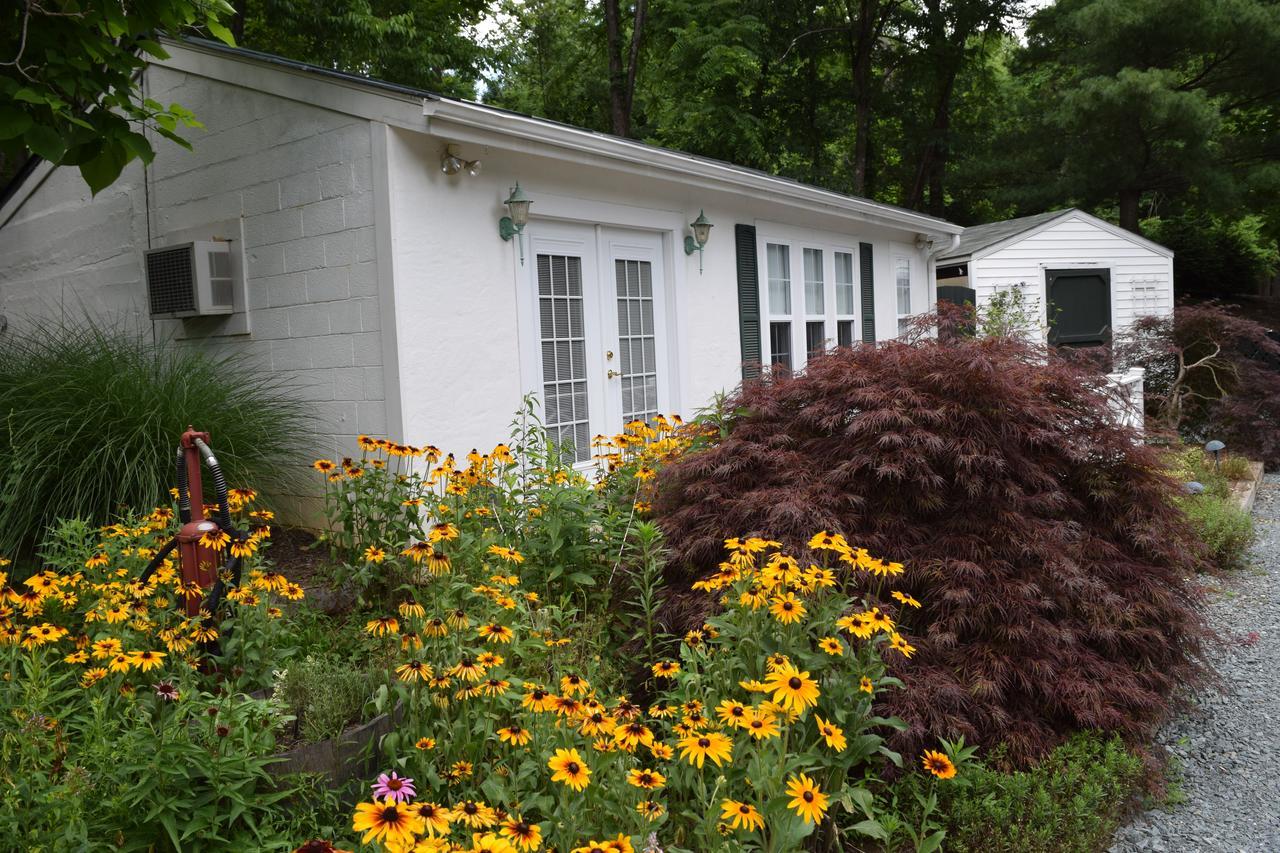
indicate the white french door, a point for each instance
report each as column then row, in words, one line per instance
column 596, row 312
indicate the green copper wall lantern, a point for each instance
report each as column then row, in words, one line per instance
column 513, row 226
column 701, row 233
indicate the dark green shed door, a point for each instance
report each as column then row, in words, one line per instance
column 1079, row 303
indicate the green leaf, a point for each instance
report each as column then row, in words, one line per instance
column 933, row 842
column 871, row 828
column 13, row 122
column 29, row 95
column 101, row 171
column 45, row 141
column 220, row 32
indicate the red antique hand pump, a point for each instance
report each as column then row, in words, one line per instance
column 199, row 561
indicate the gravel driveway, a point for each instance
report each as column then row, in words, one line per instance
column 1229, row 744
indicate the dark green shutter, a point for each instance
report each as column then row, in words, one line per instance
column 868, row 294
column 748, row 299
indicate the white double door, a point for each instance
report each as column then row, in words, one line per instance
column 595, row 330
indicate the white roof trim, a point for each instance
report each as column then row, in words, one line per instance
column 1069, row 213
column 440, row 116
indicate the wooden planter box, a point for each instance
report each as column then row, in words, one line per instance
column 342, row 758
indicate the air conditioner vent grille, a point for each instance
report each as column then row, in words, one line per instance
column 171, row 280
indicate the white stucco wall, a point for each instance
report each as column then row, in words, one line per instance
column 1141, row 279
column 300, row 181
column 457, row 284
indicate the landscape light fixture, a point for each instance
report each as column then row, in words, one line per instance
column 701, row 234
column 1215, row 447
column 513, row 225
column 452, row 164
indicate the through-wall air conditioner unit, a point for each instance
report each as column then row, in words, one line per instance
column 191, row 279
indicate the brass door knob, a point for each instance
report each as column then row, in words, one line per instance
column 612, row 373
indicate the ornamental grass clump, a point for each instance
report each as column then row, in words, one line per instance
column 90, row 414
column 1041, row 539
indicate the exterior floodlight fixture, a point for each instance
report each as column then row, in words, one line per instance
column 513, row 225
column 701, row 234
column 452, row 164
column 1215, row 447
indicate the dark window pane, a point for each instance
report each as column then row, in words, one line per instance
column 780, row 344
column 815, row 338
column 844, row 333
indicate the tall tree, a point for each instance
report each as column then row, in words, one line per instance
column 424, row 43
column 1147, row 99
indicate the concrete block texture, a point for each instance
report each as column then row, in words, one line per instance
column 301, row 180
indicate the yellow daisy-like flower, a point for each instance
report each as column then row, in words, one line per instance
column 733, row 714
column 647, row 779
column 741, row 815
column 831, row 645
column 324, row 466
column 865, row 685
column 697, row 747
column 792, row 688
column 904, row 598
column 807, row 799
column 414, row 670
column 515, row 735
column 521, row 833
column 435, row 817
column 382, row 626
column 374, row 554
column 495, row 633
column 567, row 766
column 511, row 555
column 666, row 669
column 425, row 743
column 787, row 609
column 899, row 644
column 832, row 734
column 938, row 764
column 387, row 821
column 762, row 726
column 411, row 609
column 147, row 660
column 215, row 539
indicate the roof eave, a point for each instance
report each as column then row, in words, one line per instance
column 686, row 165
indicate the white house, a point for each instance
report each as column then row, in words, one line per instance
column 365, row 262
column 1086, row 278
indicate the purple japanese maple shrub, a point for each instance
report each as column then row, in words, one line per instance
column 1040, row 537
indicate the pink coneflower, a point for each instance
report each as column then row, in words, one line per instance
column 165, row 690
column 394, row 787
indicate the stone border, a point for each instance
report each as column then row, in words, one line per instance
column 1246, row 491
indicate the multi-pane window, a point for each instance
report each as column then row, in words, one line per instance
column 902, row 276
column 636, row 342
column 564, row 363
column 778, row 258
column 845, row 299
column 815, row 303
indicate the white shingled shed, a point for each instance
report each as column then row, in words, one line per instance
column 1088, row 279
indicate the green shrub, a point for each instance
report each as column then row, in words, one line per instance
column 90, row 417
column 1219, row 522
column 1071, row 802
column 1236, row 468
column 325, row 694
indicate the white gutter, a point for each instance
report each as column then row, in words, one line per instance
column 527, row 129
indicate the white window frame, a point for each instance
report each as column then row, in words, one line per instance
column 898, row 259
column 797, row 240
column 850, row 317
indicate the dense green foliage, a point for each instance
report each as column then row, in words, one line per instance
column 68, row 81
column 90, row 415
column 1071, row 802
column 1219, row 522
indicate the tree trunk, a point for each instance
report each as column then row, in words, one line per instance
column 1129, row 199
column 622, row 80
column 861, row 47
column 237, row 20
column 933, row 159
